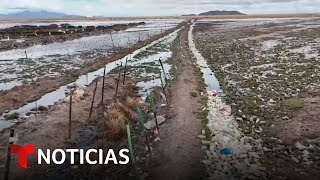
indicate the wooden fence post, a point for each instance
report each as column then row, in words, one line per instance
column 164, row 72
column 125, row 71
column 119, row 76
column 92, row 102
column 6, row 174
column 153, row 104
column 163, row 88
column 103, row 82
column 70, row 114
column 113, row 46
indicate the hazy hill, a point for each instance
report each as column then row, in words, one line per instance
column 36, row 14
column 188, row 15
column 216, row 13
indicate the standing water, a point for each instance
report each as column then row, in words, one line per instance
column 59, row 94
column 227, row 142
column 209, row 79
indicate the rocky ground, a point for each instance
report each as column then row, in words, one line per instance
column 269, row 74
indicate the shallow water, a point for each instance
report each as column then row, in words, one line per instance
column 53, row 59
column 238, row 23
column 59, row 94
column 90, row 23
column 5, row 124
column 269, row 44
column 209, row 78
column 146, row 87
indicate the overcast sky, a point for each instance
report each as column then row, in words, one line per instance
column 160, row 7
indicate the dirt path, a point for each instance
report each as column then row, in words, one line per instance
column 179, row 149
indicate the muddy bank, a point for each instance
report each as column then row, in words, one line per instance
column 50, row 129
column 16, row 97
column 28, row 35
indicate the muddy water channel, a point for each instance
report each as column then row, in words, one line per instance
column 145, row 66
column 142, row 63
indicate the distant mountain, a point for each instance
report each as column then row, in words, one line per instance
column 36, row 14
column 217, row 13
column 188, row 15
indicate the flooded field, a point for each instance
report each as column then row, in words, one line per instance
column 143, row 64
column 154, row 22
column 217, row 98
column 57, row 58
column 147, row 70
column 269, row 71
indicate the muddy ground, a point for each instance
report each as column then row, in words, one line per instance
column 20, row 95
column 50, row 129
column 270, row 75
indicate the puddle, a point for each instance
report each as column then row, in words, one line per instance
column 146, row 87
column 9, row 85
column 5, row 124
column 59, row 94
column 308, row 51
column 270, row 44
column 209, row 79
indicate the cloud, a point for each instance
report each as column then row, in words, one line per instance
column 160, row 7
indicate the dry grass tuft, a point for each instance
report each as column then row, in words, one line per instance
column 132, row 103
column 119, row 114
column 117, row 121
column 130, row 91
column 129, row 113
